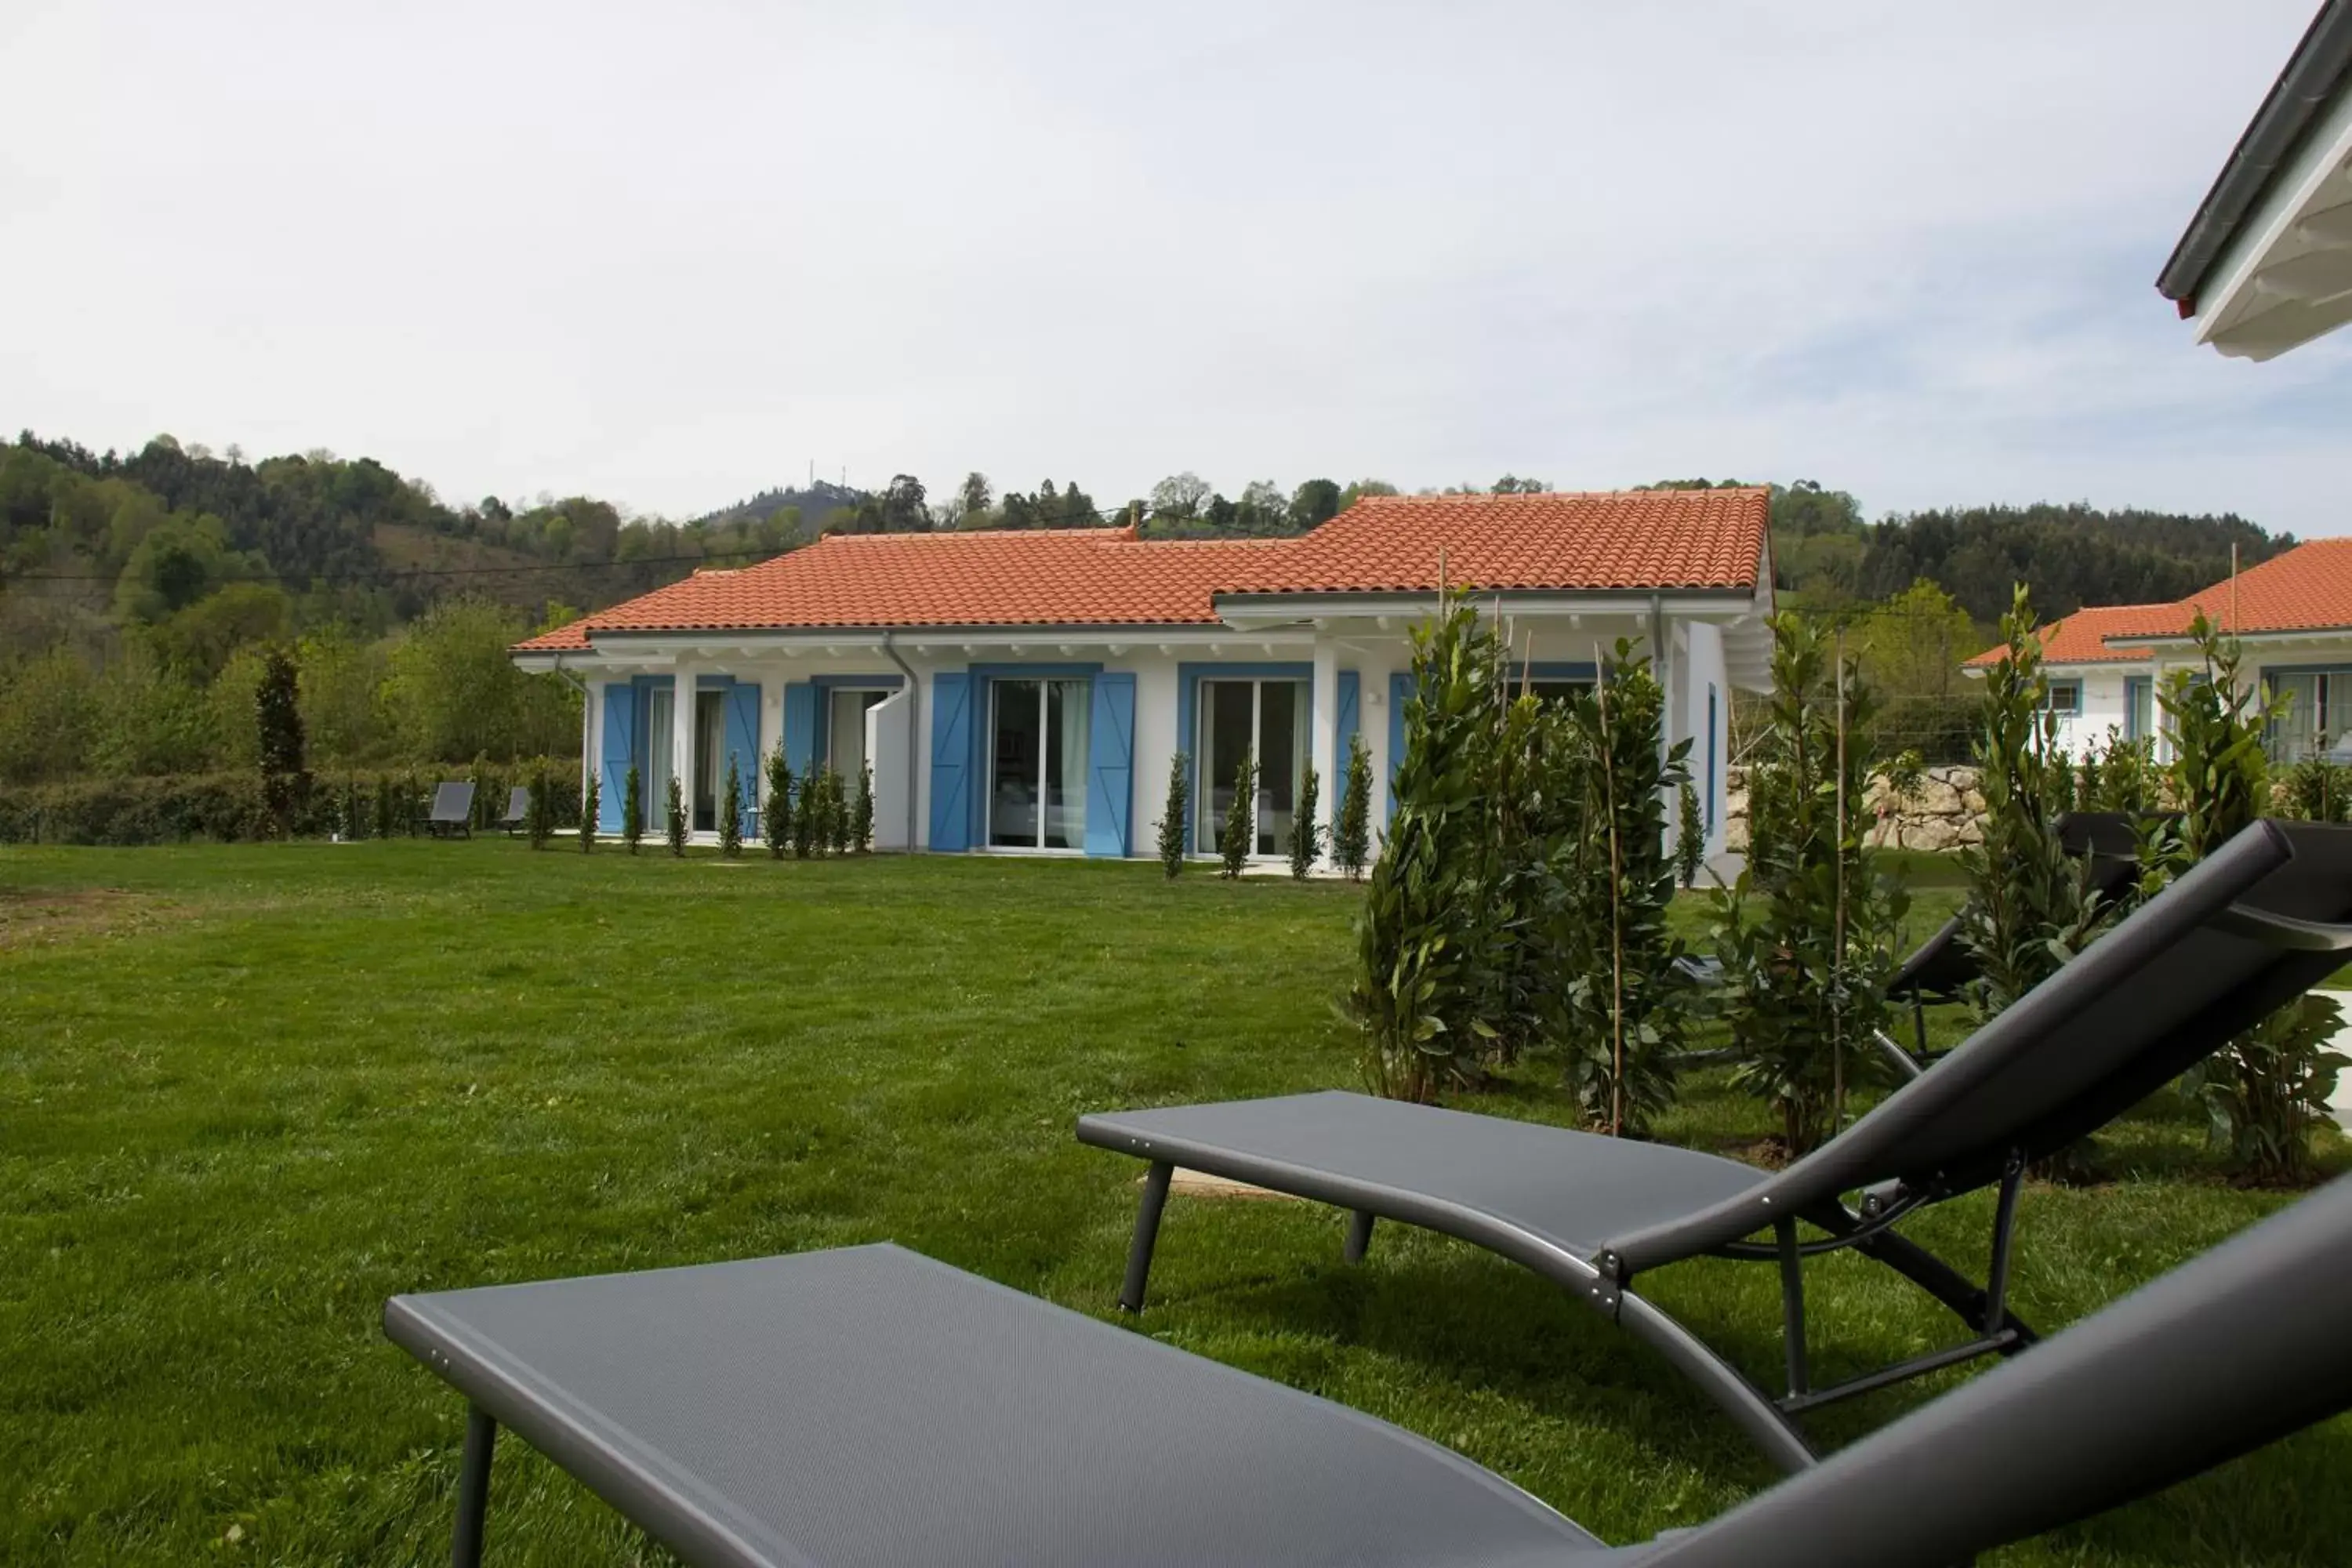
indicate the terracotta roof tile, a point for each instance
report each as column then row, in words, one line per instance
column 2308, row 588
column 1636, row 540
column 2081, row 638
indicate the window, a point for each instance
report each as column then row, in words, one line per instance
column 2318, row 716
column 1037, row 763
column 844, row 728
column 2066, row 697
column 1265, row 719
column 2139, row 706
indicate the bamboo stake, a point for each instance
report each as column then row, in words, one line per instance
column 1616, row 907
column 1837, row 939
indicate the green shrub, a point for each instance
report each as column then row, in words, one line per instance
column 387, row 807
column 1690, row 835
column 2318, row 790
column 1234, row 839
column 1617, row 997
column 675, row 825
column 1306, row 833
column 808, row 816
column 1806, row 934
column 591, row 805
column 1174, row 813
column 1352, row 836
column 837, row 813
column 353, row 812
column 167, row 810
column 1421, row 940
column 633, row 809
column 2031, row 906
column 538, row 812
column 2127, row 776
column 730, row 812
column 776, row 812
column 861, row 815
column 278, row 719
column 2266, row 1093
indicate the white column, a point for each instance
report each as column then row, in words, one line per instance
column 682, row 739
column 1324, row 735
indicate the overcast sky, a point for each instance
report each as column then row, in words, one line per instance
column 671, row 255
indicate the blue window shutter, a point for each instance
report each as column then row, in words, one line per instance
column 1110, row 765
column 743, row 749
column 799, row 728
column 1348, row 723
column 1400, row 693
column 620, row 750
column 950, row 761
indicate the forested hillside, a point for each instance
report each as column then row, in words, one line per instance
column 138, row 592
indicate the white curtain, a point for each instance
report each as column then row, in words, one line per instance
column 661, row 752
column 1069, row 823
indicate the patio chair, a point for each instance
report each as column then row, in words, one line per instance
column 871, row 1406
column 1942, row 967
column 518, row 810
column 453, row 811
column 2255, row 926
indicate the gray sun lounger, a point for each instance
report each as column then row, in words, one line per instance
column 2255, row 925
column 453, row 811
column 869, row 1406
column 518, row 809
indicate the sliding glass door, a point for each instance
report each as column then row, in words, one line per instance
column 1037, row 763
column 1265, row 719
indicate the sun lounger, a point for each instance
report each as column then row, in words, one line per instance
column 872, row 1407
column 2255, row 925
column 1942, row 967
column 518, row 810
column 453, row 811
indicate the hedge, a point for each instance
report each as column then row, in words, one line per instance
column 229, row 806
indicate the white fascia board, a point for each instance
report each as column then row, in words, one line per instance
column 2175, row 643
column 2256, row 305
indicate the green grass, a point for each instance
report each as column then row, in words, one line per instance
column 248, row 1093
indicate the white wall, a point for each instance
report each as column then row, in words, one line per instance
column 1374, row 658
column 1703, row 659
column 2103, row 706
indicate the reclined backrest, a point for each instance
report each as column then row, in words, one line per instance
column 451, row 802
column 2164, row 988
column 2231, row 1350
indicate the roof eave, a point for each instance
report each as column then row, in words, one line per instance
column 2280, row 129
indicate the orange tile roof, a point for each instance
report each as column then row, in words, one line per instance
column 1634, row 540
column 2081, row 638
column 2308, row 588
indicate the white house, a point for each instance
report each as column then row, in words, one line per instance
column 2292, row 614
column 1026, row 692
column 2095, row 688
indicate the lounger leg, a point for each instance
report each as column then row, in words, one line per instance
column 1359, row 1235
column 473, row 1488
column 1792, row 1306
column 2004, row 1226
column 1147, row 1232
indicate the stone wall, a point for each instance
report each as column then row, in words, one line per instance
column 1944, row 811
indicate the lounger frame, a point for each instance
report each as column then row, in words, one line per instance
column 1814, row 1190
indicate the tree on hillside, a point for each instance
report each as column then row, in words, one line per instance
column 1511, row 485
column 1179, row 498
column 903, row 510
column 1314, row 503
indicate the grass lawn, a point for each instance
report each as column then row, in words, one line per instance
column 247, row 1093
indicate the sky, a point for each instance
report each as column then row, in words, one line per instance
column 672, row 256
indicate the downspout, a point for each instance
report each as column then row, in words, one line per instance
column 914, row 729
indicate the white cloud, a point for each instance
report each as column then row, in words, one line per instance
column 671, row 255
